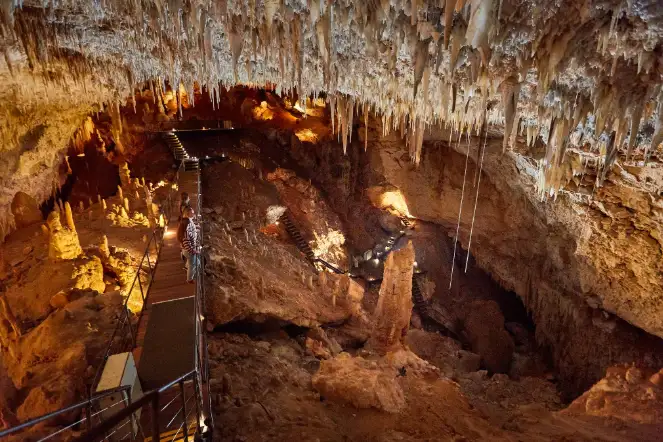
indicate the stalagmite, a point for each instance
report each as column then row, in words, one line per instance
column 103, row 246
column 126, row 205
column 69, row 217
column 103, row 205
column 81, row 206
column 261, row 288
column 394, row 308
column 119, row 193
column 323, row 280
column 63, row 244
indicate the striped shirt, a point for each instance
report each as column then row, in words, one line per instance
column 191, row 242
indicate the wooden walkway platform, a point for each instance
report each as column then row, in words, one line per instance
column 169, row 282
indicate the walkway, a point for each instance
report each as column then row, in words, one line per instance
column 166, row 333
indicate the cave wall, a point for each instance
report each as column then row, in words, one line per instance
column 536, row 248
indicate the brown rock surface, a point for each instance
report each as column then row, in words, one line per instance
column 25, row 210
column 392, row 315
column 308, row 209
column 443, row 352
column 484, row 326
column 359, row 382
column 625, row 393
column 256, row 276
column 534, row 248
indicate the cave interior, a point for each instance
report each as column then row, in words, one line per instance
column 418, row 220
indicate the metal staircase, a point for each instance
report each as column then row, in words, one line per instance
column 417, row 298
column 303, row 245
column 297, row 237
column 179, row 153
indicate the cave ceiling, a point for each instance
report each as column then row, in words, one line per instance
column 571, row 89
column 567, row 73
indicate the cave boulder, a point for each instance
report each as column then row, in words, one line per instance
column 442, row 351
column 60, row 392
column 25, row 210
column 484, row 326
column 359, row 382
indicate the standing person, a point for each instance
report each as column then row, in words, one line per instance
column 187, row 234
column 185, row 202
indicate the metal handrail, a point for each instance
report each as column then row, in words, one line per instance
column 123, row 322
column 202, row 358
column 331, row 267
column 86, row 403
column 151, row 397
column 158, row 243
column 199, row 375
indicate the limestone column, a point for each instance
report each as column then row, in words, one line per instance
column 392, row 314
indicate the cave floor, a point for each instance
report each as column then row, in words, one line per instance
column 264, row 367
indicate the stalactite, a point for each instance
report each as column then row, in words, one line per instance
column 478, row 29
column 657, row 138
column 448, row 20
column 365, row 127
column 636, row 116
column 236, row 40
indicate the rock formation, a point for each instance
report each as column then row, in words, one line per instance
column 392, row 315
column 63, row 243
column 359, row 382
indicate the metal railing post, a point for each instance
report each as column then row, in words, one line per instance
column 131, row 328
column 147, row 255
column 88, row 415
column 197, row 392
column 140, row 286
column 155, row 417
column 184, row 423
column 132, row 418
